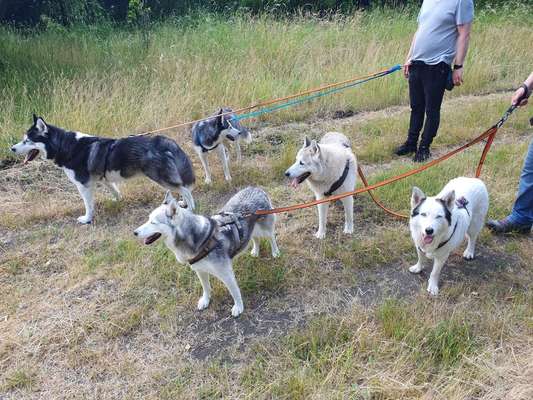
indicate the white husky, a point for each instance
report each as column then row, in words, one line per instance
column 329, row 168
column 439, row 224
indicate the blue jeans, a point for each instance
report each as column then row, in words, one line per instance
column 523, row 207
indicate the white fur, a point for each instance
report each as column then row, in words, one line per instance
column 431, row 217
column 326, row 162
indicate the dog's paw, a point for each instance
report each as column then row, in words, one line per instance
column 468, row 255
column 433, row 288
column 203, row 303
column 208, row 181
column 84, row 220
column 276, row 253
column 255, row 252
column 237, row 310
column 348, row 230
column 416, row 269
column 228, row 178
column 320, row 235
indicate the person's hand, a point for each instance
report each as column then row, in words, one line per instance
column 406, row 69
column 519, row 94
column 457, row 76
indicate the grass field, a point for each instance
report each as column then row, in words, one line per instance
column 88, row 312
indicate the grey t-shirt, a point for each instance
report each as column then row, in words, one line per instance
column 436, row 36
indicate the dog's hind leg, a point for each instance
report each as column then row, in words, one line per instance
column 347, row 202
column 238, row 151
column 203, row 303
column 255, row 247
column 274, row 245
column 113, row 188
column 187, row 195
column 224, row 158
column 225, row 273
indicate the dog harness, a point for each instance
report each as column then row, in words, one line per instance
column 338, row 183
column 231, row 221
column 106, row 160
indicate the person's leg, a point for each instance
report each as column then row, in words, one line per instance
column 418, row 105
column 521, row 218
column 434, row 82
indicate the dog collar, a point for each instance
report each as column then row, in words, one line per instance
column 450, row 238
column 208, row 245
column 338, row 183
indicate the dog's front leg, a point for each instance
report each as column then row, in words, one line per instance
column 224, row 158
column 347, row 202
column 421, row 264
column 433, row 282
column 205, row 164
column 203, row 303
column 238, row 151
column 226, row 275
column 322, row 220
column 86, row 192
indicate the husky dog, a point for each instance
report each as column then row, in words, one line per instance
column 215, row 133
column 439, row 224
column 329, row 168
column 208, row 244
column 87, row 159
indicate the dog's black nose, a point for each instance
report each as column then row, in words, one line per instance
column 287, row 174
column 135, row 233
column 13, row 149
column 429, row 231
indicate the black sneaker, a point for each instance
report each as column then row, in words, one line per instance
column 422, row 154
column 506, row 226
column 405, row 149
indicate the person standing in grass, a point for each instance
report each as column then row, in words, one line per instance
column 441, row 39
column 521, row 218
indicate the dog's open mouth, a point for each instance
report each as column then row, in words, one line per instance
column 299, row 179
column 31, row 155
column 152, row 238
column 427, row 239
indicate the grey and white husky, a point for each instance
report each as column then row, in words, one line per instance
column 87, row 159
column 214, row 134
column 439, row 224
column 329, row 167
column 208, row 244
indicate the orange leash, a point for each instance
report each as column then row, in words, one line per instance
column 267, row 102
column 488, row 134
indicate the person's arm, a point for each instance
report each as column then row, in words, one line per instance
column 521, row 91
column 408, row 59
column 463, row 39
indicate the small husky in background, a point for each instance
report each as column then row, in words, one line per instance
column 216, row 133
column 87, row 159
column 208, row 244
column 329, row 168
column 439, row 224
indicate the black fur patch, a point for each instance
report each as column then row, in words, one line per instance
column 447, row 213
column 415, row 211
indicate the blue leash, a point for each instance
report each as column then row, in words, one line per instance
column 305, row 99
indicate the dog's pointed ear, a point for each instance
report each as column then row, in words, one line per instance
column 417, row 197
column 168, row 197
column 34, row 118
column 220, row 118
column 307, row 142
column 41, row 126
column 315, row 148
column 448, row 199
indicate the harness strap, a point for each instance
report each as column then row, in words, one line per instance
column 106, row 160
column 208, row 245
column 338, row 183
column 450, row 238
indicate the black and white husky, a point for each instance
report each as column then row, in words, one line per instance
column 439, row 224
column 87, row 159
column 208, row 244
column 214, row 134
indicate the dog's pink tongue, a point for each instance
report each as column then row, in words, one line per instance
column 427, row 239
column 294, row 183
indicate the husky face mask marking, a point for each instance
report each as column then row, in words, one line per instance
column 159, row 222
column 233, row 129
column 431, row 217
column 34, row 141
column 307, row 163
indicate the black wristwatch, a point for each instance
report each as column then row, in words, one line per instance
column 527, row 92
column 456, row 66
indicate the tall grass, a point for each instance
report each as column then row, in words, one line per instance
column 114, row 81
